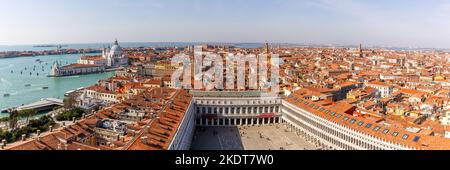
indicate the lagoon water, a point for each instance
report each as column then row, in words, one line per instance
column 25, row 88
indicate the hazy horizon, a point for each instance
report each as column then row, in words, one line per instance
column 230, row 43
column 402, row 23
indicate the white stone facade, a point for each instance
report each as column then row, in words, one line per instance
column 332, row 134
column 185, row 133
column 115, row 56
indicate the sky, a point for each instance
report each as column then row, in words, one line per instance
column 399, row 23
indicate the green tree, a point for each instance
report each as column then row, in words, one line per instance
column 27, row 113
column 69, row 114
column 5, row 119
column 42, row 124
column 13, row 116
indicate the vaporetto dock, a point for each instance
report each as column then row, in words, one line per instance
column 46, row 104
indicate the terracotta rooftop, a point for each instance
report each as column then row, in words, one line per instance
column 381, row 131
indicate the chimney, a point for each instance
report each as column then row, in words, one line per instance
column 73, row 119
column 144, row 140
column 3, row 144
column 38, row 134
column 84, row 115
column 24, row 137
column 65, row 146
column 51, row 128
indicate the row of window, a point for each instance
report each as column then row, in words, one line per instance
column 77, row 71
column 92, row 93
column 250, row 102
column 237, row 122
column 353, row 121
column 331, row 135
column 237, row 110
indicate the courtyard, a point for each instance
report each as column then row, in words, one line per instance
column 264, row 137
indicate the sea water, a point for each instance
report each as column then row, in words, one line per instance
column 29, row 75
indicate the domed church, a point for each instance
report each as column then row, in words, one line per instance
column 114, row 56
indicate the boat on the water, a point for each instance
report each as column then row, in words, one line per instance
column 6, row 110
column 45, row 88
column 6, row 95
column 27, row 85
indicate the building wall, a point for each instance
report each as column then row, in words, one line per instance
column 94, row 62
column 105, row 97
column 332, row 134
column 384, row 91
column 217, row 111
column 185, row 133
column 237, row 111
column 445, row 120
column 76, row 71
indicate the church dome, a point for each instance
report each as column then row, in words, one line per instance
column 116, row 49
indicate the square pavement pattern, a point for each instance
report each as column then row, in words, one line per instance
column 271, row 137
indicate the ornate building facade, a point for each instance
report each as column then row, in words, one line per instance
column 236, row 108
column 115, row 56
